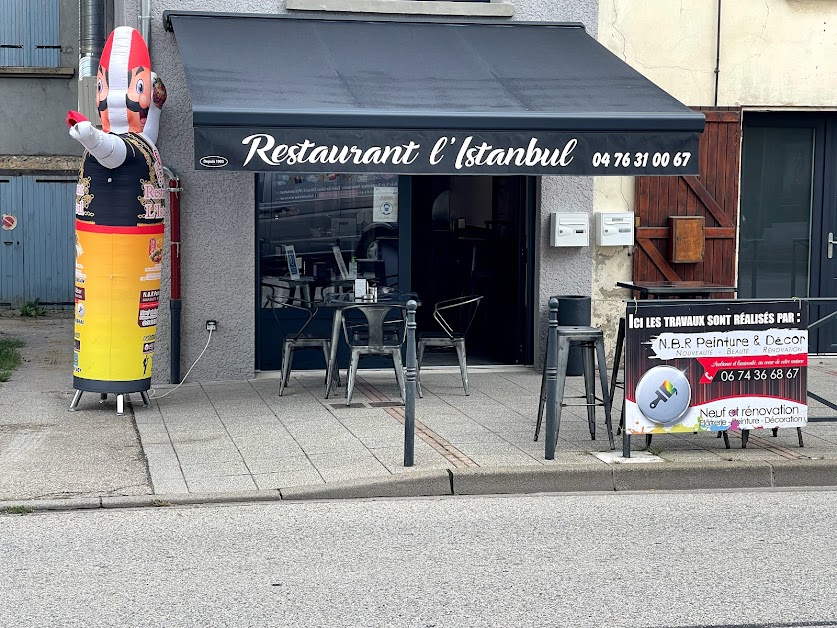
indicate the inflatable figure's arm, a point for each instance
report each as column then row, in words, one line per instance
column 108, row 149
column 158, row 97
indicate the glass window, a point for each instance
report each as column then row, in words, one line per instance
column 776, row 196
column 325, row 230
column 316, row 234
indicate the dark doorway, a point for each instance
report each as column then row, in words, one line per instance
column 789, row 212
column 470, row 235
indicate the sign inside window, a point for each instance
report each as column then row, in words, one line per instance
column 385, row 204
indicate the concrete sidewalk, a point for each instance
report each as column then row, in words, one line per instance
column 45, row 451
column 241, row 439
column 216, row 437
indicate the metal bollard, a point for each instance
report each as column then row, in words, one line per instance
column 410, row 393
column 551, row 380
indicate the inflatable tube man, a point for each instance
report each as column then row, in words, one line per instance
column 120, row 209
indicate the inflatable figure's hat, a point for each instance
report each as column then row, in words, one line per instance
column 124, row 83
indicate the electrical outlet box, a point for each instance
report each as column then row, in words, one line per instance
column 615, row 228
column 569, row 230
column 211, row 325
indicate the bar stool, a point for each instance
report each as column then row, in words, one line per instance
column 591, row 341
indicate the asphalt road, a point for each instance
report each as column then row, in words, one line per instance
column 665, row 559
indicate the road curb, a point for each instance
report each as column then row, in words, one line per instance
column 683, row 476
column 555, row 478
column 804, row 473
column 69, row 503
column 189, row 499
column 533, row 479
column 429, row 483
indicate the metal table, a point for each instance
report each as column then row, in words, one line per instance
column 675, row 289
column 303, row 284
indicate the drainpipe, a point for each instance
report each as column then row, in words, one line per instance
column 717, row 52
column 92, row 27
column 91, row 30
column 174, row 259
column 144, row 20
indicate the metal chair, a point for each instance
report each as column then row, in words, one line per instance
column 299, row 340
column 369, row 330
column 449, row 338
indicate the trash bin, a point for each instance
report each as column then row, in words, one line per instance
column 573, row 309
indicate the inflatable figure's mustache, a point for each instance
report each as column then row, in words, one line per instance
column 131, row 105
column 134, row 106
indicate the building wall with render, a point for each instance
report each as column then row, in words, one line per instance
column 217, row 209
column 33, row 106
column 774, row 54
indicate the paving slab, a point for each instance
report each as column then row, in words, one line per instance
column 284, row 464
column 222, row 484
column 298, row 477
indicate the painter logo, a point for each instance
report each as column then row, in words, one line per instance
column 214, row 161
column 665, row 392
column 663, row 395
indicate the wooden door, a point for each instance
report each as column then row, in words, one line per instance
column 36, row 250
column 713, row 194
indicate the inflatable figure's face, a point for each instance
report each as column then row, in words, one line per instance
column 138, row 99
column 124, row 84
column 102, row 97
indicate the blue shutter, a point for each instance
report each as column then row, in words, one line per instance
column 13, row 18
column 43, row 44
column 11, row 244
column 49, row 238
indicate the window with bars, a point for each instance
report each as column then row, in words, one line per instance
column 29, row 34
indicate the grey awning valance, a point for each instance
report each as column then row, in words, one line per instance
column 261, row 85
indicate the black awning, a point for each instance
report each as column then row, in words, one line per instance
column 287, row 93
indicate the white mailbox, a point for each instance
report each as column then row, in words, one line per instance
column 615, row 228
column 569, row 230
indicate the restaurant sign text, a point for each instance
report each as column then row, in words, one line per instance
column 445, row 152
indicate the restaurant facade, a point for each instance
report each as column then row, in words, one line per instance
column 428, row 153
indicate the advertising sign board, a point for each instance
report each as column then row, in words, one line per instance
column 715, row 366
